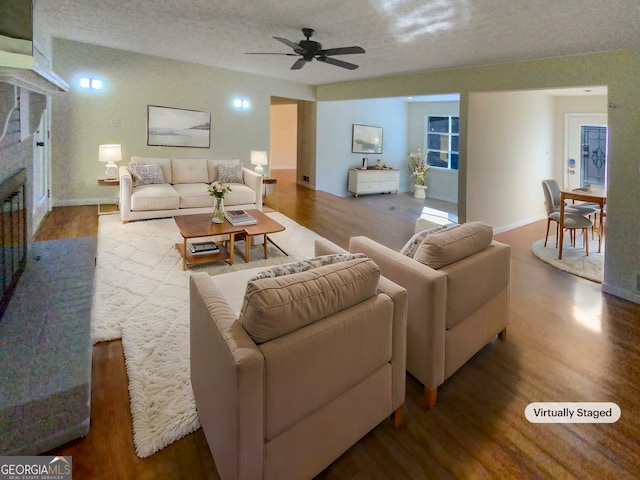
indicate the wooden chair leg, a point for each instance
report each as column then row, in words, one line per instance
column 585, row 236
column 430, row 397
column 396, row 417
column 503, row 334
column 547, row 235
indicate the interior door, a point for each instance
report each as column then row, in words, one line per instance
column 41, row 201
column 573, row 147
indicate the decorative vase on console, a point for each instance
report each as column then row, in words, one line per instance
column 418, row 168
column 218, row 190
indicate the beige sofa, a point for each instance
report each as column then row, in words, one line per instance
column 288, row 372
column 457, row 305
column 180, row 188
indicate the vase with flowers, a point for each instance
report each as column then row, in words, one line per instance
column 218, row 190
column 418, row 168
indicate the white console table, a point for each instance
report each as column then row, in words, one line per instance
column 373, row 180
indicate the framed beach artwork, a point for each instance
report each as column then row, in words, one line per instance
column 366, row 139
column 176, row 127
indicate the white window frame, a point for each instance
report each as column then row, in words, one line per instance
column 450, row 134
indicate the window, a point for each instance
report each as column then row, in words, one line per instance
column 442, row 137
column 594, row 154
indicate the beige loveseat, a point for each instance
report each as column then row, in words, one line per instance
column 166, row 187
column 290, row 371
column 457, row 278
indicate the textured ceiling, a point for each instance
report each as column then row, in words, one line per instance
column 399, row 36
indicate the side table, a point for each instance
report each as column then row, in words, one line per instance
column 270, row 181
column 108, row 182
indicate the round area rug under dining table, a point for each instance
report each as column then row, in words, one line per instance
column 574, row 259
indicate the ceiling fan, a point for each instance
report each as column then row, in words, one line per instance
column 309, row 49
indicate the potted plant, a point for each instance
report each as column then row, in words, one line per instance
column 418, row 169
column 218, row 190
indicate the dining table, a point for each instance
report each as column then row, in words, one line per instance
column 593, row 194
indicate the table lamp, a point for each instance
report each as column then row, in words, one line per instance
column 259, row 158
column 110, row 154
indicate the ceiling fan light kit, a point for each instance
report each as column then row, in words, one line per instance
column 309, row 49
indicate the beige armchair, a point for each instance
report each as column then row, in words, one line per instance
column 289, row 371
column 456, row 306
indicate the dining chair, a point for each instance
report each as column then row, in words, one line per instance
column 572, row 220
column 586, row 208
column 583, row 208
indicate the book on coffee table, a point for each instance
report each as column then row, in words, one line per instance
column 239, row 217
column 201, row 248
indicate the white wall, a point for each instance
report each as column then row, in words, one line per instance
column 333, row 151
column 83, row 119
column 510, row 143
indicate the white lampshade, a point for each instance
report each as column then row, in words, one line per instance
column 259, row 158
column 110, row 154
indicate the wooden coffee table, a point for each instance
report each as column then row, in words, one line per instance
column 200, row 225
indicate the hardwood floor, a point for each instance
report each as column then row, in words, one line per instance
column 567, row 341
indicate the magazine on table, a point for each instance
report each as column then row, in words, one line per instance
column 239, row 217
column 201, row 248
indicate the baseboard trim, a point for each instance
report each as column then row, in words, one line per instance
column 621, row 292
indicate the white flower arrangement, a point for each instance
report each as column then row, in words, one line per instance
column 418, row 167
column 219, row 189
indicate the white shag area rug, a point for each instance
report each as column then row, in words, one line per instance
column 574, row 259
column 141, row 296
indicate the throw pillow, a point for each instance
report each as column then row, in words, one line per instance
column 304, row 265
column 146, row 174
column 230, row 173
column 411, row 247
column 276, row 306
column 448, row 246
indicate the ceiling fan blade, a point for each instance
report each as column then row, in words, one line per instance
column 272, row 53
column 341, row 51
column 299, row 64
column 338, row 63
column 296, row 48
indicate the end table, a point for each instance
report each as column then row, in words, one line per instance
column 108, row 182
column 270, row 181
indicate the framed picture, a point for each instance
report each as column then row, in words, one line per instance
column 366, row 139
column 175, row 127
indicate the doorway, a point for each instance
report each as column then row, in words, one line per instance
column 41, row 201
column 284, row 136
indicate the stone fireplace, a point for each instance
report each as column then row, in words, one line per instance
column 13, row 235
column 20, row 109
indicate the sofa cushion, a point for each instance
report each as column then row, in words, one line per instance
column 455, row 243
column 230, row 173
column 411, row 247
column 212, row 167
column 275, row 306
column 155, row 197
column 304, row 265
column 240, row 195
column 164, row 162
column 193, row 195
column 186, row 170
column 146, row 174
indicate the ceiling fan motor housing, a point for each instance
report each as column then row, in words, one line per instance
column 310, row 46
